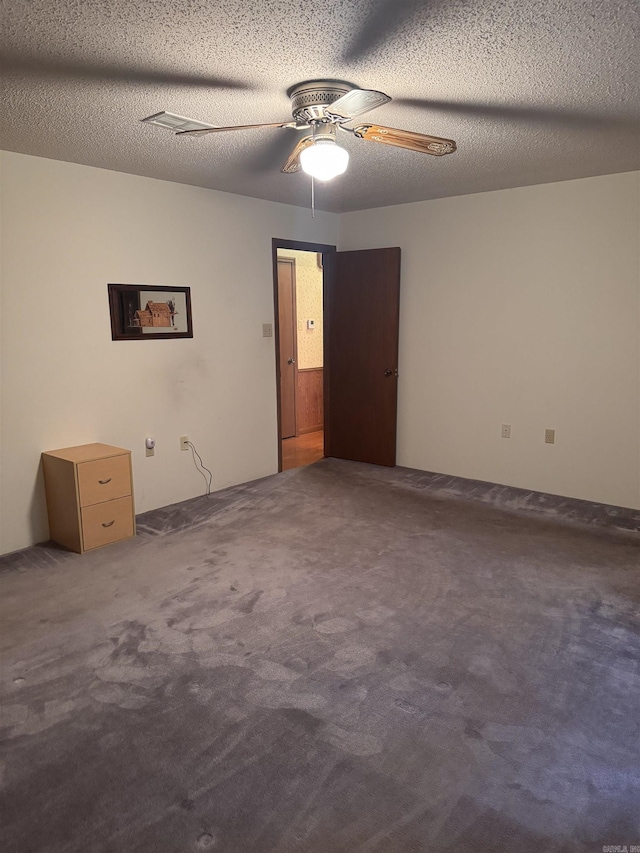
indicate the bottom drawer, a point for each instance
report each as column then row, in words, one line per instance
column 107, row 522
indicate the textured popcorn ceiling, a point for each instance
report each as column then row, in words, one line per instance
column 531, row 91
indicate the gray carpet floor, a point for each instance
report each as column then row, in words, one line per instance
column 338, row 659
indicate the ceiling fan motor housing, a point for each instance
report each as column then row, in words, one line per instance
column 308, row 100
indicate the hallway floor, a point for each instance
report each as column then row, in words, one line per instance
column 303, row 450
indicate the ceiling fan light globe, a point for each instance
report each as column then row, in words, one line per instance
column 324, row 160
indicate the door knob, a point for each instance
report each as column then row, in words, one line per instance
column 291, row 361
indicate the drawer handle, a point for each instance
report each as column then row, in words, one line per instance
column 104, row 482
column 108, row 523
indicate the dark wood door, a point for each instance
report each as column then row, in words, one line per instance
column 287, row 346
column 361, row 316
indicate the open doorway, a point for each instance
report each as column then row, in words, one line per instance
column 298, row 296
column 300, row 342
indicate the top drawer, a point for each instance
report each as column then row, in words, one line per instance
column 104, row 479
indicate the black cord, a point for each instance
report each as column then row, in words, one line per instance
column 208, row 482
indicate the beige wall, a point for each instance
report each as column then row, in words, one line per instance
column 520, row 306
column 67, row 230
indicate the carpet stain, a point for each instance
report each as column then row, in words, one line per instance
column 405, row 683
column 249, row 601
column 407, row 707
column 335, row 626
column 351, row 742
column 115, row 694
column 351, row 658
column 376, row 615
column 13, row 715
column 127, row 642
column 271, row 671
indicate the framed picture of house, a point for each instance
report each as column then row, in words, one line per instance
column 149, row 312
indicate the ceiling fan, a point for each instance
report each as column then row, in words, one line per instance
column 325, row 107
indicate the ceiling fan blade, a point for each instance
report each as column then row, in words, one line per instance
column 292, row 163
column 552, row 116
column 356, row 103
column 202, row 130
column 406, row 139
column 385, row 19
column 77, row 70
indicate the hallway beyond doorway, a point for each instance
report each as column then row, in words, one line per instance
column 302, row 450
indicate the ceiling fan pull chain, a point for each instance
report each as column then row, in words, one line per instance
column 314, row 128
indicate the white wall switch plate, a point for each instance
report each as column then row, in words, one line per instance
column 506, row 431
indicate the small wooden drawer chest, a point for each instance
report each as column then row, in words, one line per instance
column 89, row 495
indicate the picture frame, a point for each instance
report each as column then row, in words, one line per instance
column 144, row 312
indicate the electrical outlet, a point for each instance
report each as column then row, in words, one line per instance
column 184, row 442
column 506, row 431
column 150, row 451
column 267, row 330
column 549, row 436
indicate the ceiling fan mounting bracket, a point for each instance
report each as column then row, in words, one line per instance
column 308, row 100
